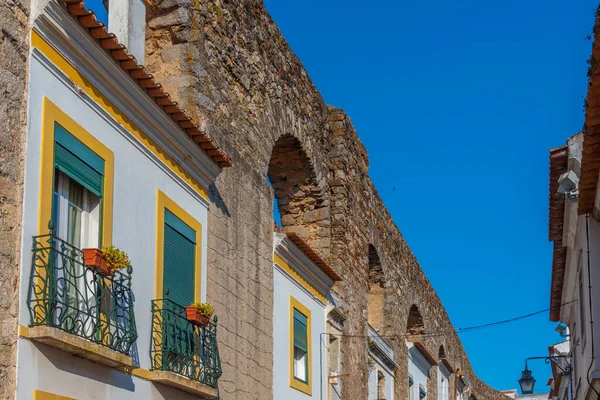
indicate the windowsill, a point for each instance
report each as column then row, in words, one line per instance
column 75, row 345
column 182, row 383
column 300, row 386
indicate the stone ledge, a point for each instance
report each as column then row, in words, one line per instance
column 76, row 345
column 182, row 383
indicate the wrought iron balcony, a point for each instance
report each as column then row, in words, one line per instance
column 181, row 347
column 65, row 294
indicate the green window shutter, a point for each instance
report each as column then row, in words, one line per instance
column 180, row 226
column 77, row 161
column 300, row 331
column 179, row 262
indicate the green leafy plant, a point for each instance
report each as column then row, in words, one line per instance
column 204, row 309
column 115, row 258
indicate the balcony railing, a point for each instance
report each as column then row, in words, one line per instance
column 65, row 294
column 182, row 347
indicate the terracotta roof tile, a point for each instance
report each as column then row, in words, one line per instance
column 559, row 158
column 108, row 41
column 423, row 350
column 590, row 164
column 314, row 257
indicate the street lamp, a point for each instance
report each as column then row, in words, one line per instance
column 526, row 382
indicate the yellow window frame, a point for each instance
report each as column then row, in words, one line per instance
column 165, row 203
column 51, row 115
column 41, row 395
column 294, row 383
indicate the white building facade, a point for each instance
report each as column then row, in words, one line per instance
column 302, row 285
column 575, row 272
column 420, row 363
column 382, row 367
column 106, row 166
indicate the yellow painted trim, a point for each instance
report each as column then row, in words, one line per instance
column 306, row 284
column 51, row 114
column 23, row 331
column 294, row 383
column 77, row 78
column 164, row 202
column 135, row 371
column 40, row 395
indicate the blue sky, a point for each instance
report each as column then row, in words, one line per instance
column 458, row 104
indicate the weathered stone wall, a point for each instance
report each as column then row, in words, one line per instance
column 13, row 76
column 229, row 66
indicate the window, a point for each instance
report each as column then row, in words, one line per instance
column 300, row 347
column 422, row 392
column 443, row 389
column 411, row 388
column 179, row 259
column 380, row 386
column 69, row 149
column 77, row 191
column 76, row 210
column 334, row 354
column 178, row 253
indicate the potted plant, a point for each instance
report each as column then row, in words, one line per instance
column 106, row 261
column 199, row 313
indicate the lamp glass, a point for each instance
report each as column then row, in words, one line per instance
column 526, row 382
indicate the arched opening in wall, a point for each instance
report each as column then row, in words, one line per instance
column 442, row 352
column 415, row 324
column 376, row 296
column 302, row 203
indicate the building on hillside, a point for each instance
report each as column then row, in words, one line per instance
column 99, row 150
column 303, row 283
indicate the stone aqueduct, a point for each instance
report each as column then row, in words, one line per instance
column 228, row 64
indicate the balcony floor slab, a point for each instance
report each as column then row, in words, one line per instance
column 182, row 383
column 76, row 345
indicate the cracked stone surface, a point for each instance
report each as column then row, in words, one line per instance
column 251, row 93
column 14, row 16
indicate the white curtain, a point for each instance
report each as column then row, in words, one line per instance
column 77, row 221
column 300, row 363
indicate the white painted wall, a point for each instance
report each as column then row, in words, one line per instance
column 284, row 287
column 372, row 383
column 576, row 269
column 443, row 377
column 418, row 369
column 138, row 175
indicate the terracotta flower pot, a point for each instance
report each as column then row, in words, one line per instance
column 93, row 259
column 193, row 315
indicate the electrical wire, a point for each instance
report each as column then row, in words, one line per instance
column 506, row 321
column 461, row 330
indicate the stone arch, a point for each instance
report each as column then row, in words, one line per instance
column 442, row 352
column 302, row 199
column 376, row 294
column 415, row 324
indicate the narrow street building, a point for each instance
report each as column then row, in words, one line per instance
column 574, row 229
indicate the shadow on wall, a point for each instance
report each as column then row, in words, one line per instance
column 87, row 369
